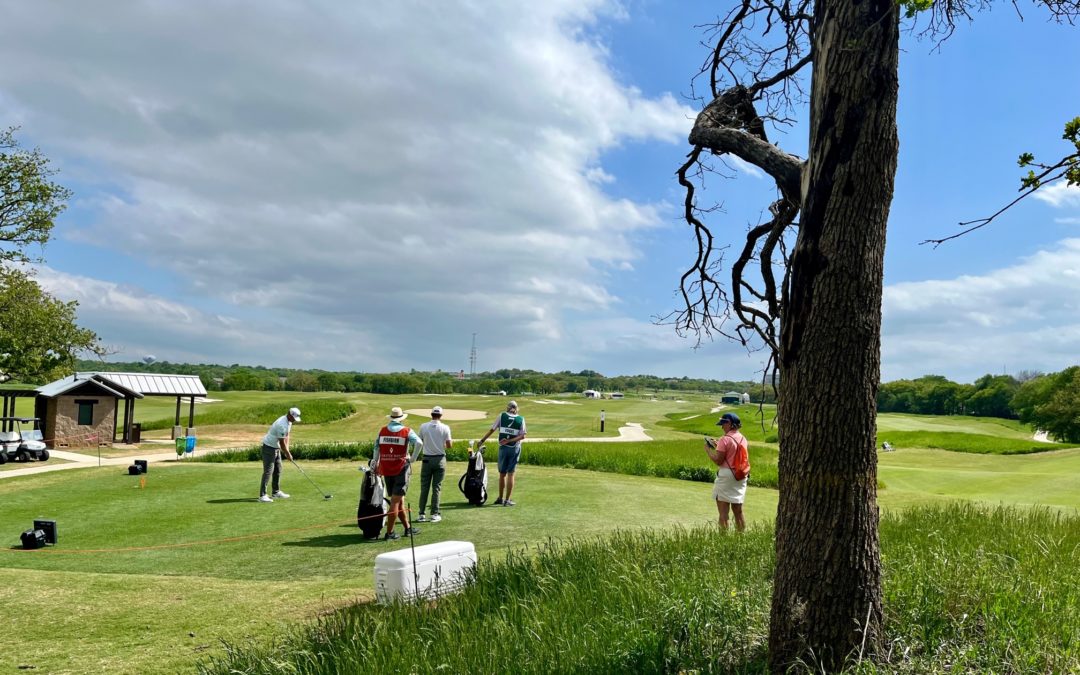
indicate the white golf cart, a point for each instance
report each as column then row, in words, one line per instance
column 20, row 444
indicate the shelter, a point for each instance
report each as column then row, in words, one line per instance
column 731, row 397
column 87, row 405
column 591, row 393
column 9, row 393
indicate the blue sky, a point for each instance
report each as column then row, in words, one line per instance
column 363, row 186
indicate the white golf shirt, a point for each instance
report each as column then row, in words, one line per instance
column 278, row 430
column 435, row 435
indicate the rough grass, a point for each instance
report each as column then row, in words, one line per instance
column 696, row 601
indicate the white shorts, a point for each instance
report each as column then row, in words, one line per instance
column 727, row 489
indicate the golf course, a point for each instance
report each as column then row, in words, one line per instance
column 182, row 569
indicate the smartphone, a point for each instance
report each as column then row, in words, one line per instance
column 710, row 442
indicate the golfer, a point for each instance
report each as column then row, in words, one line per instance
column 391, row 460
column 274, row 445
column 728, row 492
column 511, row 428
column 436, row 440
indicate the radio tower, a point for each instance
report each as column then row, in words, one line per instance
column 472, row 358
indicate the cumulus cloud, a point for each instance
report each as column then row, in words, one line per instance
column 1059, row 195
column 407, row 172
column 1026, row 316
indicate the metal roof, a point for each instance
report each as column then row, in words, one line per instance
column 156, row 384
column 66, row 384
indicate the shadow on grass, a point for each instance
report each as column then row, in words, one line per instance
column 233, row 501
column 333, row 540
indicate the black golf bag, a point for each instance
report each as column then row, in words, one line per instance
column 32, row 539
column 371, row 512
column 474, row 483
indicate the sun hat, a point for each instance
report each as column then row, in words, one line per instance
column 397, row 414
column 437, row 410
column 730, row 417
column 295, row 412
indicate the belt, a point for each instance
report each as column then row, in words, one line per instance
column 434, row 456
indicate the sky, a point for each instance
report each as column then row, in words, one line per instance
column 373, row 186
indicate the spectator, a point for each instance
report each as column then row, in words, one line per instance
column 728, row 492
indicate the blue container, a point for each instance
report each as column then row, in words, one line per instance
column 189, row 446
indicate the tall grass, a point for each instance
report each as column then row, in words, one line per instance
column 315, row 411
column 974, row 443
column 966, row 590
column 685, row 460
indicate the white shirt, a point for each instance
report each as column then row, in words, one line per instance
column 435, row 435
column 278, row 430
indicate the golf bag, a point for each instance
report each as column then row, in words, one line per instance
column 371, row 512
column 32, row 539
column 474, row 483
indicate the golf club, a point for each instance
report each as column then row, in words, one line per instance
column 325, row 495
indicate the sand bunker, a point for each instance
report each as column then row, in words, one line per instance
column 449, row 414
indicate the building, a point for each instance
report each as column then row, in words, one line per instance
column 731, row 398
column 591, row 393
column 84, row 409
column 616, row 394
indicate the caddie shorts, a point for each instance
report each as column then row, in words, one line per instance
column 398, row 485
column 508, row 458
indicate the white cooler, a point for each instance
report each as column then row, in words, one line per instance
column 440, row 569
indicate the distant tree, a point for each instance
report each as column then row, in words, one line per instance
column 301, row 381
column 1052, row 403
column 991, row 396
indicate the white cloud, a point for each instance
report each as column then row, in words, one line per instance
column 407, row 171
column 1059, row 195
column 1023, row 316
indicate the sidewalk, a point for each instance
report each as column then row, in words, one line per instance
column 77, row 460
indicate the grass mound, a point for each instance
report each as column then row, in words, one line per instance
column 315, row 411
column 696, row 601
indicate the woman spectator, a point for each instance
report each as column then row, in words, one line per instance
column 728, row 492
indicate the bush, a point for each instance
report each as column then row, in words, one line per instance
column 306, row 451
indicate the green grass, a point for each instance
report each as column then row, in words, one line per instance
column 132, row 610
column 685, row 459
column 295, row 560
column 574, row 416
column 699, row 602
column 316, row 411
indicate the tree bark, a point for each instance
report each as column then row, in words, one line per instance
column 826, row 604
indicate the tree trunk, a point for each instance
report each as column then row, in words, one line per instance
column 826, row 603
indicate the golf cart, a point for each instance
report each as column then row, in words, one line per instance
column 19, row 444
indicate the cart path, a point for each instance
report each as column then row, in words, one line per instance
column 78, row 460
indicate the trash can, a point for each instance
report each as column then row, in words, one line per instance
column 181, row 445
column 189, row 444
column 136, row 432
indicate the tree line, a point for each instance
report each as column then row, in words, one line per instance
column 513, row 381
column 1050, row 402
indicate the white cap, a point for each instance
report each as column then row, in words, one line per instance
column 437, row 410
column 295, row 412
